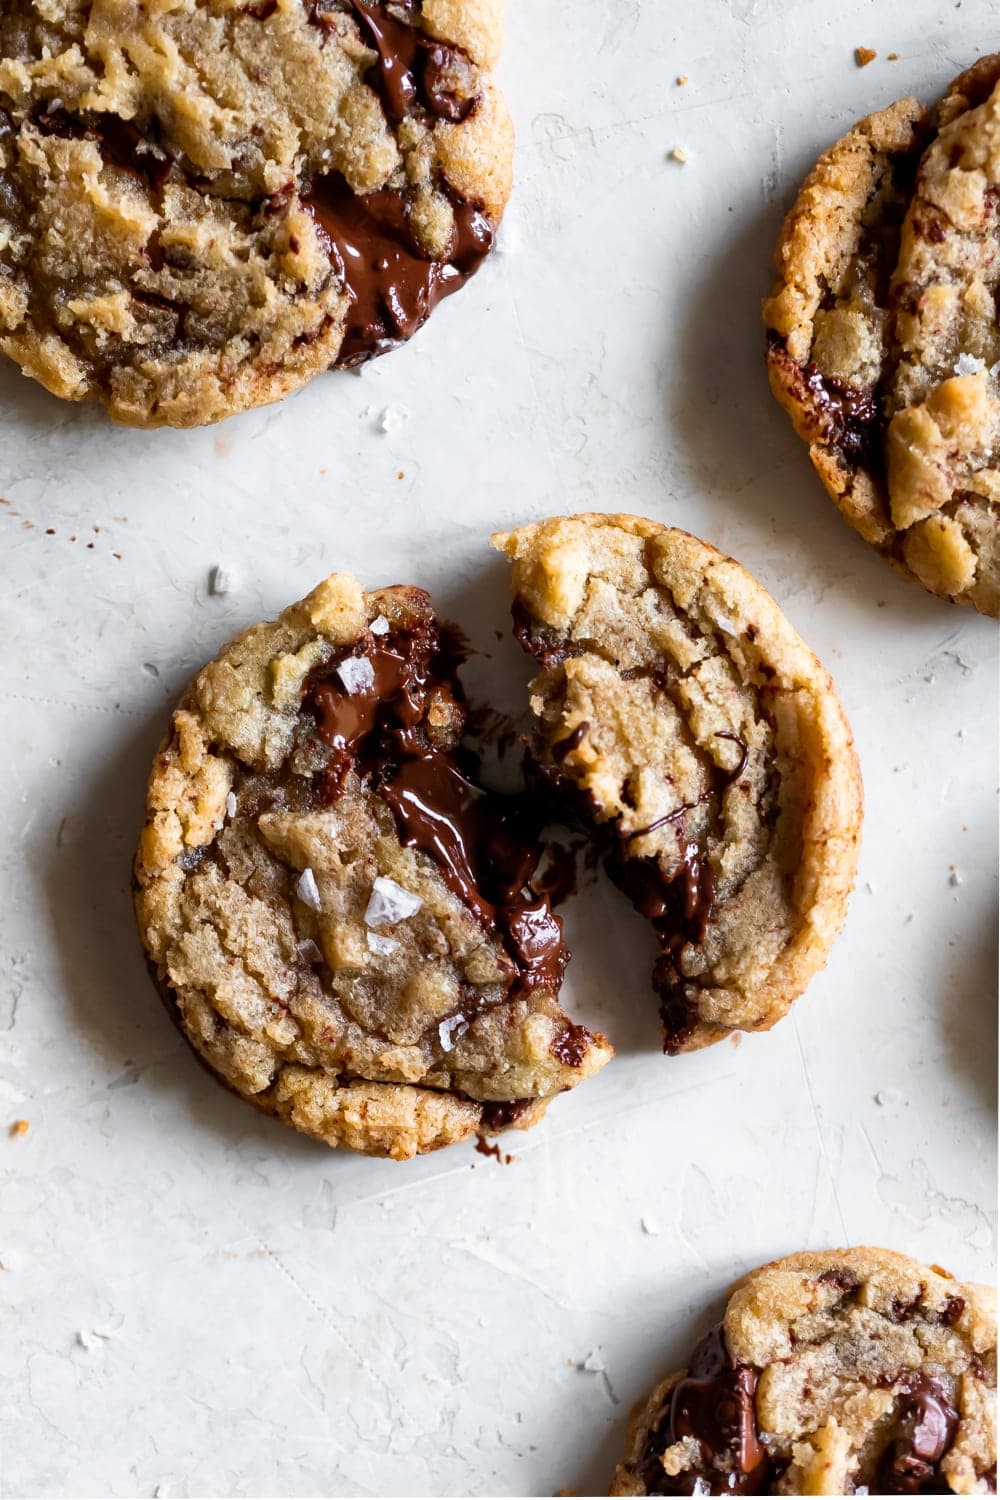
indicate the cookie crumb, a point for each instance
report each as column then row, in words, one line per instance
column 864, row 55
column 682, row 79
column 893, row 56
column 19, row 1127
column 681, row 154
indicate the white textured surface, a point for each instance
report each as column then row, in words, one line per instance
column 197, row 1301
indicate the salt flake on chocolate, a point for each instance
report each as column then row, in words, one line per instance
column 380, row 625
column 390, row 903
column 308, row 891
column 357, row 674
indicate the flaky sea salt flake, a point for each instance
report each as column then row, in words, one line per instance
column 357, row 674
column 222, row 580
column 308, row 891
column 230, row 804
column 393, row 416
column 450, row 1030
column 390, row 903
column 380, row 625
column 309, row 952
column 383, row 946
column 968, row 364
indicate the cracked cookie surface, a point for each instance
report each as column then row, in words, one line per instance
column 883, row 342
column 340, row 921
column 835, row 1372
column 204, row 203
column 679, row 716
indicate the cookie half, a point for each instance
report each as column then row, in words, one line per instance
column 883, row 340
column 341, row 922
column 679, row 716
column 840, row 1372
column 202, row 205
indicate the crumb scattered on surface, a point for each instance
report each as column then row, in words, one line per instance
column 19, row 1127
column 864, row 55
column 682, row 79
column 681, row 154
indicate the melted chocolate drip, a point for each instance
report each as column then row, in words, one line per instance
column 850, row 415
column 392, row 285
column 714, row 1404
column 484, row 845
column 926, row 1429
column 412, row 69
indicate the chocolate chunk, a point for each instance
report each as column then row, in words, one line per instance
column 925, row 1430
column 412, row 71
column 392, row 284
column 849, row 416
column 485, row 846
column 714, row 1404
column 121, row 143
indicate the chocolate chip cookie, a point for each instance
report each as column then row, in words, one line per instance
column 340, row 920
column 841, row 1372
column 678, row 716
column 204, row 204
column 884, row 345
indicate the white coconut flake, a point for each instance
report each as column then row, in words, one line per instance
column 357, row 674
column 380, row 625
column 651, row 1226
column 593, row 1364
column 222, row 580
column 393, row 416
column 390, row 903
column 450, row 1030
column 968, row 364
column 308, row 891
column 311, row 952
column 230, row 804
column 383, row 946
